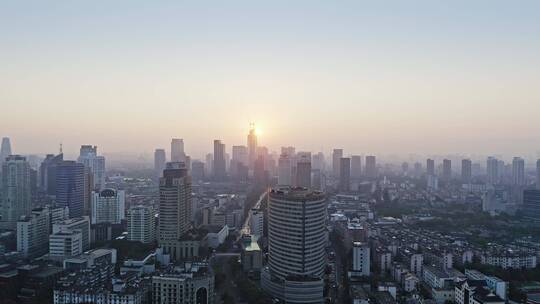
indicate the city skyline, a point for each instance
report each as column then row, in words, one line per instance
column 360, row 76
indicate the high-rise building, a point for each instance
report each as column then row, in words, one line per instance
column 197, row 170
column 70, row 187
column 447, row 169
column 240, row 159
column 5, row 149
column 356, row 166
column 285, row 177
column 89, row 158
column 303, row 170
column 77, row 224
column 160, row 159
column 430, row 166
column 256, row 224
column 531, row 204
column 538, row 174
column 345, row 174
column 65, row 244
column 296, row 241
column 47, row 173
column 16, row 195
column 177, row 150
column 141, row 224
column 518, row 171
column 108, row 206
column 33, row 233
column 361, row 260
column 466, row 170
column 174, row 207
column 219, row 164
column 417, row 169
column 371, row 166
column 317, row 162
column 337, row 154
column 492, row 170
column 251, row 146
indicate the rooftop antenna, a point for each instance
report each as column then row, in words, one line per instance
column 61, row 150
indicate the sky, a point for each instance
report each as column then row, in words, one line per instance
column 367, row 76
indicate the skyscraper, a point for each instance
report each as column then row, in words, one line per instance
column 303, row 170
column 447, row 169
column 219, row 164
column 70, row 187
column 430, row 166
column 492, row 166
column 296, row 241
column 174, row 207
column 356, row 166
column 466, row 170
column 252, row 145
column 285, row 177
column 16, row 191
column 344, row 174
column 337, row 154
column 371, row 166
column 317, row 161
column 33, row 233
column 518, row 171
column 361, row 259
column 160, row 159
column 140, row 224
column 89, row 158
column 47, row 173
column 5, row 149
column 240, row 159
column 177, row 150
column 108, row 206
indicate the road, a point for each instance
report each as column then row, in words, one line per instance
column 245, row 228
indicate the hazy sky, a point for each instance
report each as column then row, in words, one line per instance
column 394, row 76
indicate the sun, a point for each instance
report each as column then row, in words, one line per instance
column 258, row 131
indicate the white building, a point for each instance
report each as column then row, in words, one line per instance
column 256, row 222
column 33, row 233
column 361, row 260
column 108, row 206
column 216, row 235
column 141, row 223
column 88, row 156
column 81, row 224
column 188, row 284
column 65, row 244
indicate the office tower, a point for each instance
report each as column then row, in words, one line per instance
column 285, row 177
column 518, row 171
column 361, row 259
column 141, row 221
column 303, row 170
column 89, row 158
column 337, row 154
column 197, row 170
column 240, row 159
column 291, row 151
column 371, row 166
column 208, row 164
column 77, row 224
column 466, row 170
column 251, row 146
column 256, row 222
column 177, row 150
column 447, row 169
column 219, row 160
column 88, row 188
column 430, row 166
column 538, row 174
column 108, row 206
column 296, row 245
column 33, row 233
column 160, row 159
column 344, row 174
column 47, row 173
column 405, row 168
column 531, row 204
column 70, row 187
column 317, row 162
column 65, row 244
column 5, row 149
column 16, row 196
column 492, row 170
column 356, row 166
column 174, row 207
column 501, row 170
